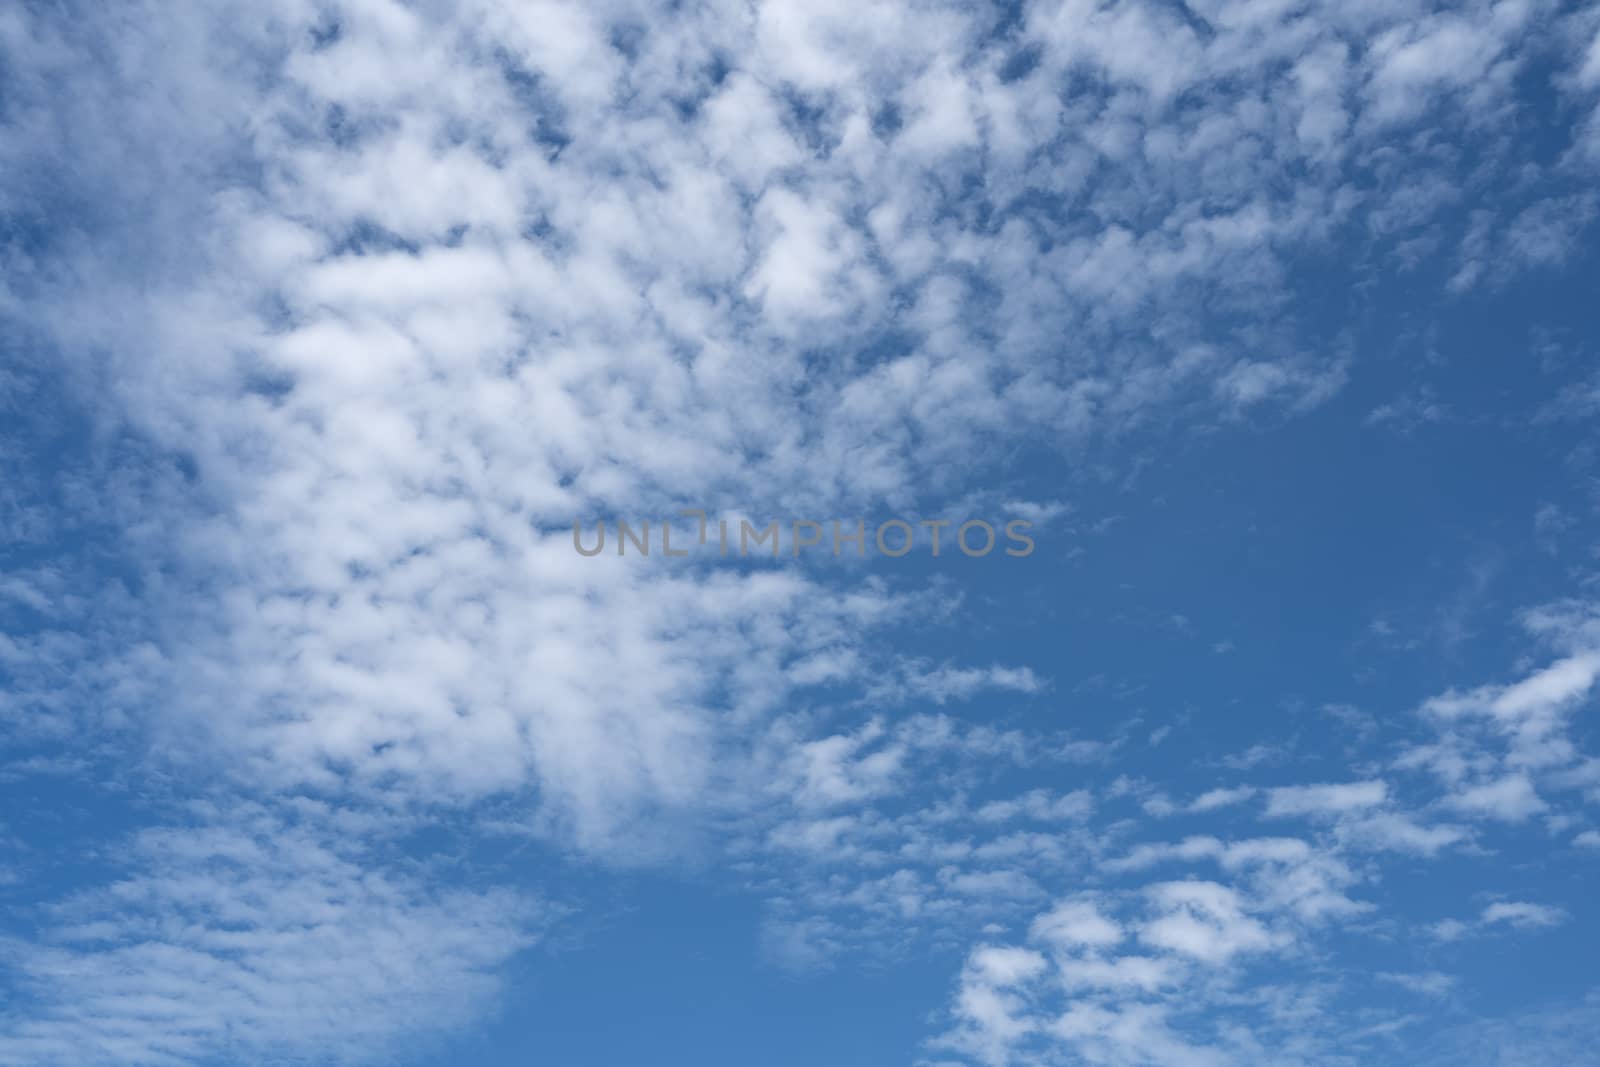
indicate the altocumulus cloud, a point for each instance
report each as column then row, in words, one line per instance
column 365, row 301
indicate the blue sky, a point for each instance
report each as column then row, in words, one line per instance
column 323, row 322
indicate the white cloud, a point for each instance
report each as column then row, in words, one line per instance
column 1396, row 832
column 1074, row 924
column 1040, row 805
column 1520, row 915
column 257, row 934
column 540, row 333
column 1203, row 920
column 1543, row 693
column 1214, row 799
column 1523, row 915
column 1429, row 983
column 1419, row 60
column 945, row 683
column 407, row 300
column 1509, row 799
column 1325, row 800
column 991, row 1011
